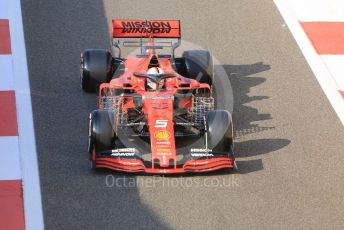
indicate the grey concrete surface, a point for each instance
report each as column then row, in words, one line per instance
column 289, row 140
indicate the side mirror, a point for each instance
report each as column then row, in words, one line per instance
column 175, row 46
column 117, row 45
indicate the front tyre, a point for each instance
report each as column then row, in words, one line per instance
column 220, row 132
column 102, row 133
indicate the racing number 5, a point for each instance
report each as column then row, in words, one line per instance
column 161, row 123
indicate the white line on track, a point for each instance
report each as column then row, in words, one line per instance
column 6, row 79
column 319, row 10
column 314, row 60
column 335, row 64
column 3, row 9
column 10, row 163
column 27, row 144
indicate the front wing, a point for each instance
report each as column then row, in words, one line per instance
column 136, row 163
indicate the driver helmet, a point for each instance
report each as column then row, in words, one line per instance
column 153, row 70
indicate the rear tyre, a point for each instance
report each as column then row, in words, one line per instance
column 220, row 132
column 198, row 65
column 95, row 68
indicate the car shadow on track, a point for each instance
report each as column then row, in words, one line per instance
column 245, row 117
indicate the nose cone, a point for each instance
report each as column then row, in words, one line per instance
column 161, row 129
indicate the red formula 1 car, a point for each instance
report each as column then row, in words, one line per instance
column 155, row 111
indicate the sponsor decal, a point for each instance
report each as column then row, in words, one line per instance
column 146, row 27
column 162, row 135
column 201, row 152
column 124, row 152
column 163, row 154
column 185, row 124
column 130, row 163
column 163, row 150
column 159, row 106
column 160, row 123
column 164, row 160
column 163, row 143
column 136, row 124
column 201, row 163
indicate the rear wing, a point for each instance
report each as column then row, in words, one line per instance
column 146, row 29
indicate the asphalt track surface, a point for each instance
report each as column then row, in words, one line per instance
column 289, row 140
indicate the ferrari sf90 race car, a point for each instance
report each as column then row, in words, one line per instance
column 156, row 113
